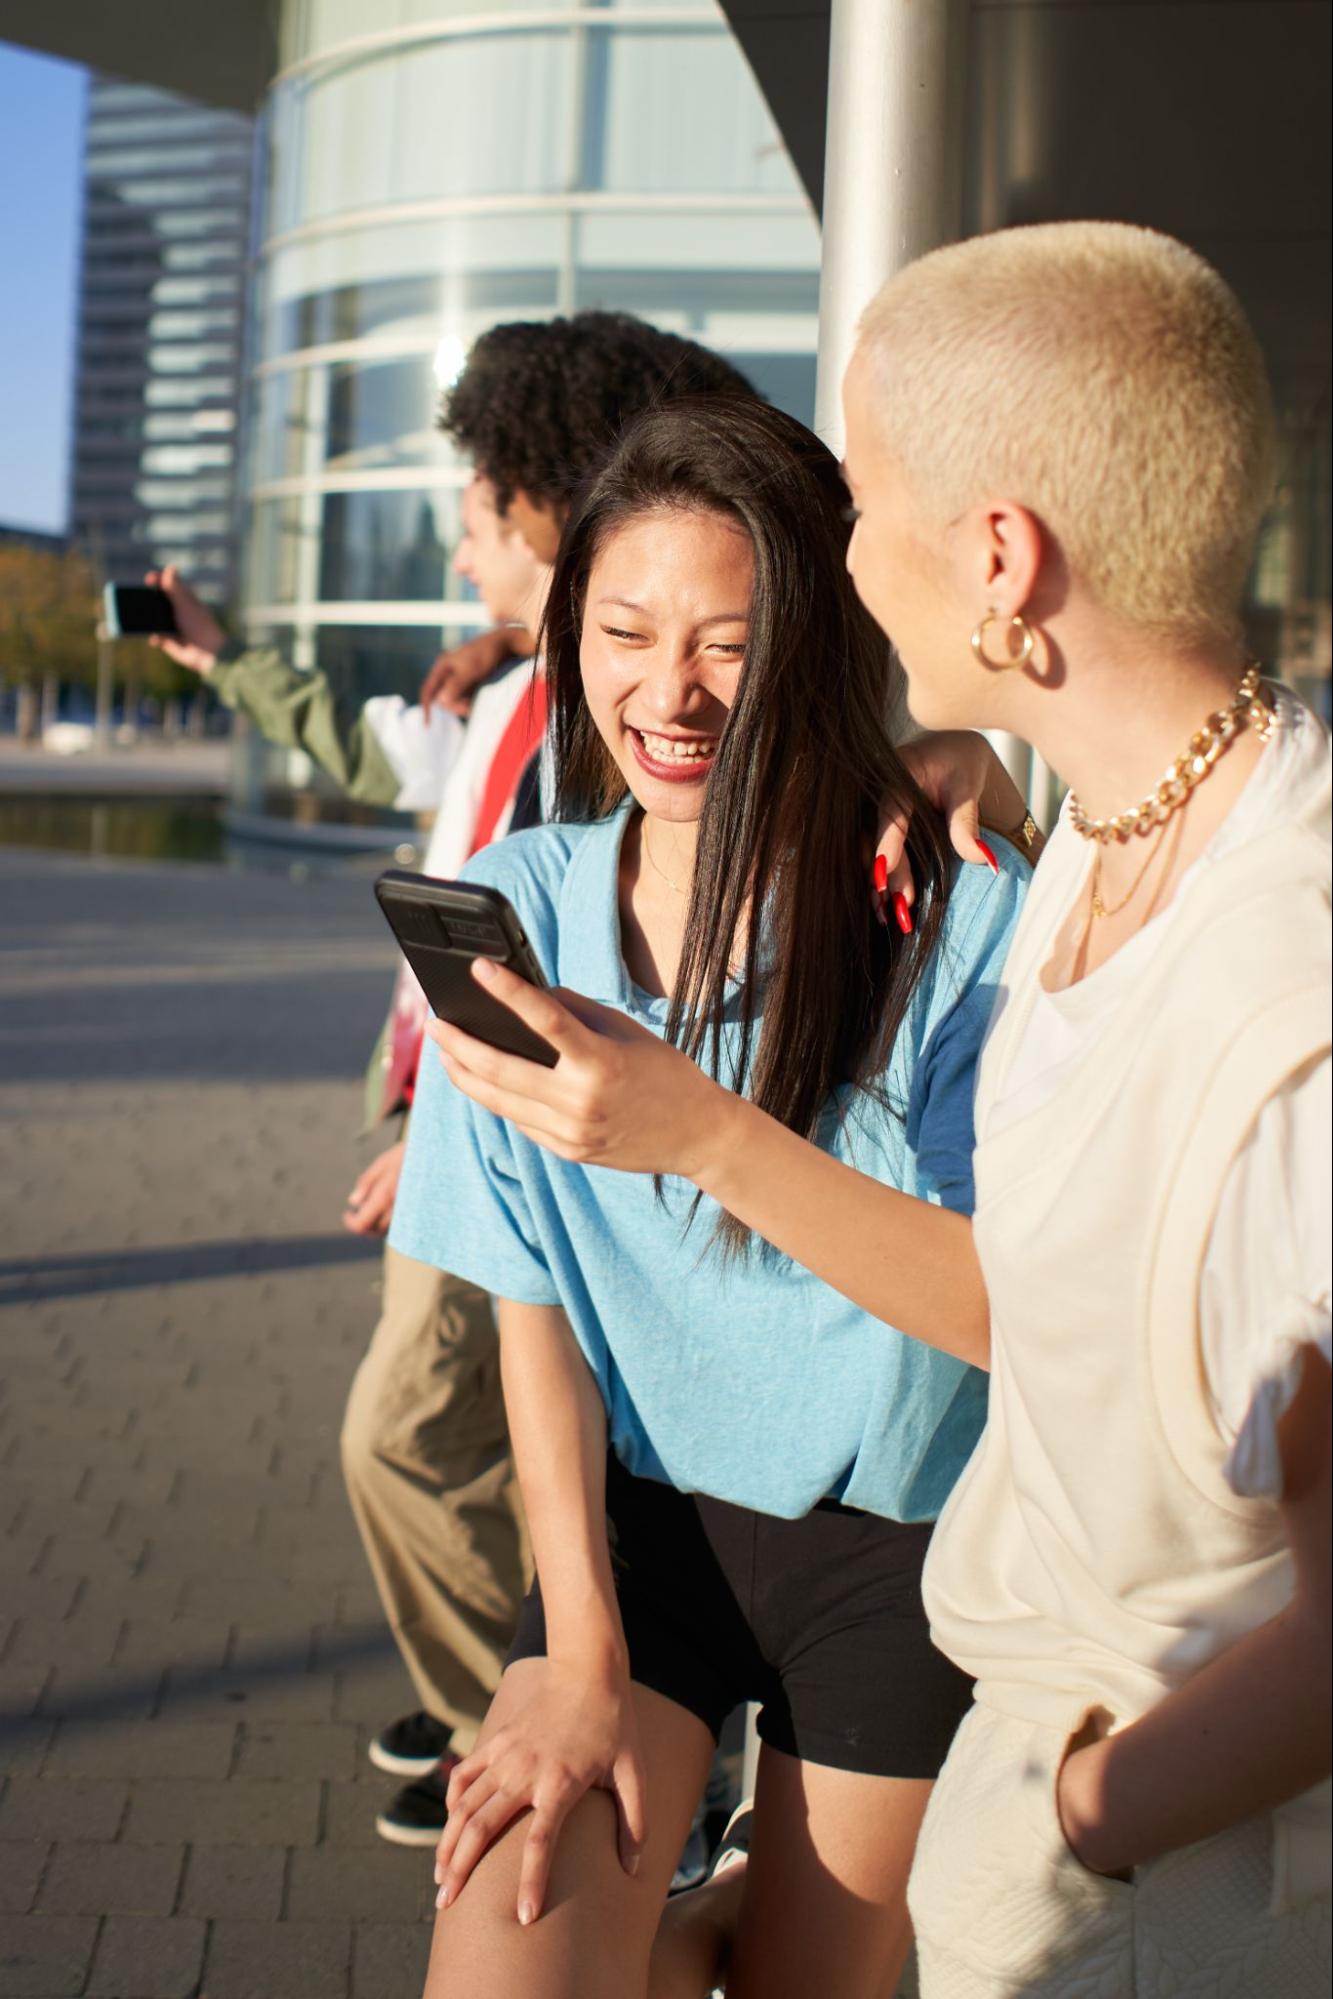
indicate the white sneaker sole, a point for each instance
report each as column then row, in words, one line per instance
column 408, row 1835
column 401, row 1766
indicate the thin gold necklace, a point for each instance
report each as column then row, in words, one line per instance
column 1099, row 908
column 1246, row 709
column 652, row 861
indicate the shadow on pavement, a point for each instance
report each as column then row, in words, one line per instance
column 25, row 1280
column 176, row 1688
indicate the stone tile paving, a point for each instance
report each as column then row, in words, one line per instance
column 190, row 1655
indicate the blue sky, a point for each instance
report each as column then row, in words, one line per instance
column 41, row 139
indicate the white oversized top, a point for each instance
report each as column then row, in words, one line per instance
column 1267, row 1277
column 1096, row 1553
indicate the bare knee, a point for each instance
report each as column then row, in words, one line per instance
column 476, row 1946
column 591, row 1941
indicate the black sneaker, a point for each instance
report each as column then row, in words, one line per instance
column 417, row 1815
column 410, row 1747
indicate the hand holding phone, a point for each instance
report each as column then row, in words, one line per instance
column 136, row 610
column 441, row 928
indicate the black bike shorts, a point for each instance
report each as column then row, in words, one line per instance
column 819, row 1620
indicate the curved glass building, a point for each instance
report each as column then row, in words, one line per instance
column 432, row 167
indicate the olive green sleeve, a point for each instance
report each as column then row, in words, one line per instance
column 300, row 711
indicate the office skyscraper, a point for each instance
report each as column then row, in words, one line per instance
column 167, row 191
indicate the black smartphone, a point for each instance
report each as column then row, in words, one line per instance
column 133, row 610
column 441, row 927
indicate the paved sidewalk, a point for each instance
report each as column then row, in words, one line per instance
column 190, row 1654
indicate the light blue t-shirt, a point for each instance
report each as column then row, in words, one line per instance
column 746, row 1378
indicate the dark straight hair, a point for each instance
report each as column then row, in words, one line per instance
column 805, row 763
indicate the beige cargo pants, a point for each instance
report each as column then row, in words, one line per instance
column 425, row 1455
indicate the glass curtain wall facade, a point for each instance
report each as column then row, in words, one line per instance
column 433, row 167
column 159, row 377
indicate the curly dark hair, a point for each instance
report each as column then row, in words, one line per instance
column 540, row 401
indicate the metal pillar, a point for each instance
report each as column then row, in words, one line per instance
column 892, row 191
column 893, row 166
column 893, row 178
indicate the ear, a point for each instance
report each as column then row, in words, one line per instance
column 1003, row 549
column 539, row 521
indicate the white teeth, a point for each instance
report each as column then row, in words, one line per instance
column 666, row 749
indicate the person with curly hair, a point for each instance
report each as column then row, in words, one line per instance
column 539, row 398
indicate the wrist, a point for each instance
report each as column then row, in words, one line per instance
column 583, row 1629
column 720, row 1139
column 1024, row 834
column 1002, row 805
column 1081, row 1808
column 602, row 1661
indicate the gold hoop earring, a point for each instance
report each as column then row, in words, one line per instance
column 1026, row 643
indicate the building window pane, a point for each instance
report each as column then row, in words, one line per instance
column 390, row 547
column 664, row 111
column 382, row 414
column 189, row 359
column 280, row 552
column 373, row 133
column 188, row 458
column 164, row 394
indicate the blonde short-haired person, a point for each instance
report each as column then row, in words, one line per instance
column 1060, row 446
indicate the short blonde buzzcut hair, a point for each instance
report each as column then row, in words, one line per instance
column 1103, row 376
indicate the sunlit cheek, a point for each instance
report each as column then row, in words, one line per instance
column 605, row 685
column 722, row 684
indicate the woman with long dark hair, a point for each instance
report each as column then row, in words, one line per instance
column 769, row 1458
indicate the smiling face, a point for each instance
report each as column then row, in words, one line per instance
column 665, row 625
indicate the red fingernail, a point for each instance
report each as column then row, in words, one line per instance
column 881, row 874
column 991, row 861
column 902, row 914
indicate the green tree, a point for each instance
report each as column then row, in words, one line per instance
column 49, row 613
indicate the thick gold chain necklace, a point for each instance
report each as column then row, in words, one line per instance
column 1247, row 709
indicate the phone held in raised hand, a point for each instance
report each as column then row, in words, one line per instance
column 441, row 927
column 136, row 610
